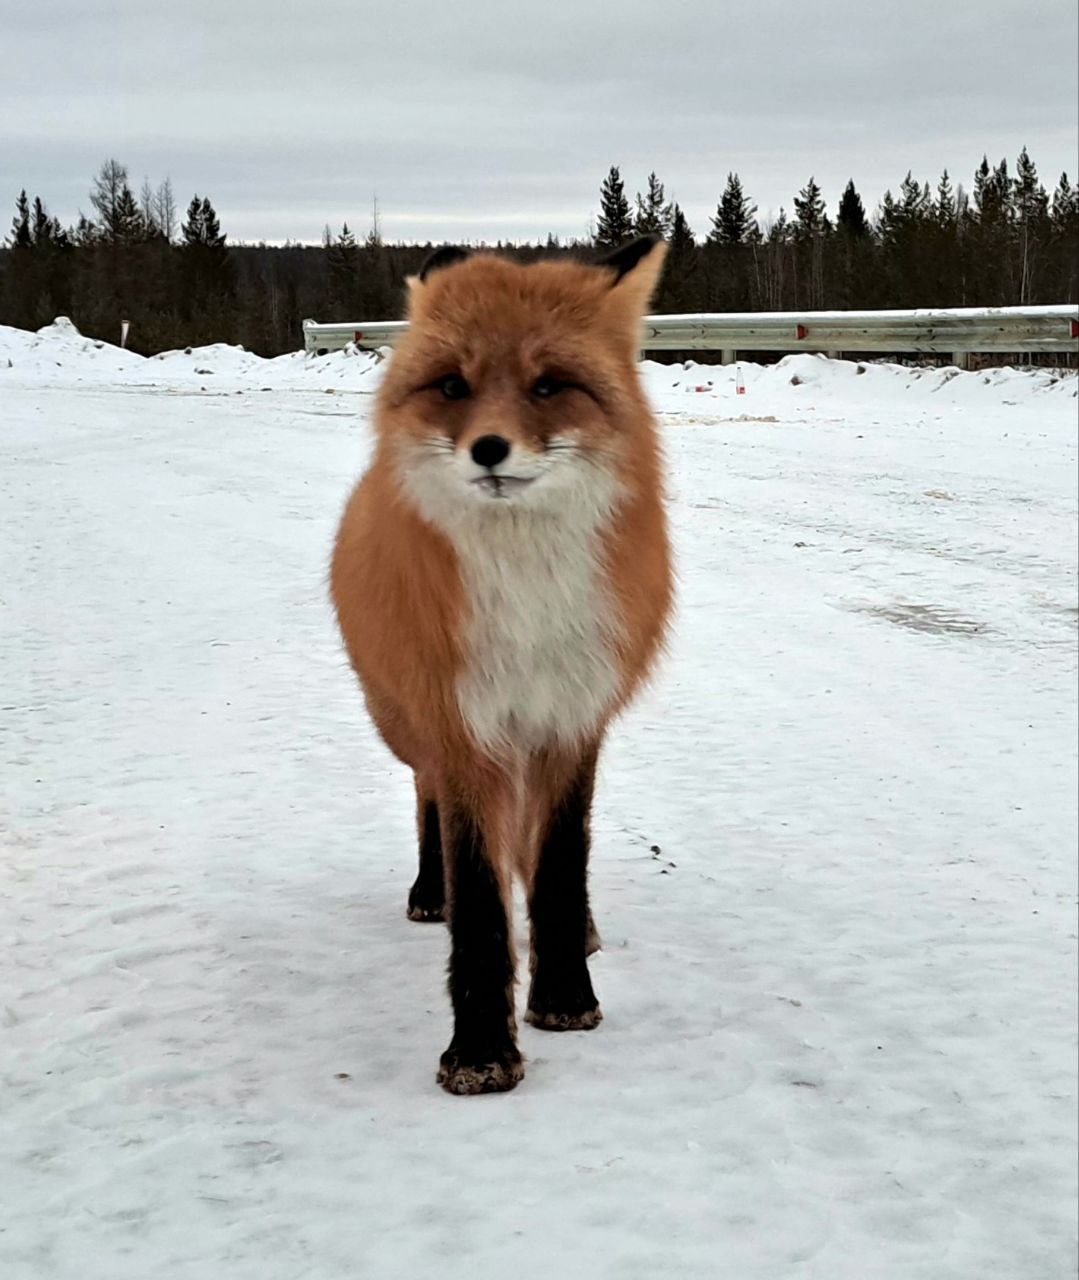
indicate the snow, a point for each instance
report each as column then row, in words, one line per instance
column 834, row 867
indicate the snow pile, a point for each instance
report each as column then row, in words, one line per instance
column 58, row 354
column 800, row 381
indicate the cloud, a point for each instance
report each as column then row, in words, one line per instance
column 478, row 121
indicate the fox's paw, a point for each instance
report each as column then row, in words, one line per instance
column 549, row 1020
column 427, row 902
column 426, row 915
column 563, row 1006
column 465, row 1073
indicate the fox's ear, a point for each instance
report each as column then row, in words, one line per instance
column 444, row 257
column 635, row 269
column 437, row 261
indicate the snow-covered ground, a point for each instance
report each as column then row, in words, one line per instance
column 835, row 854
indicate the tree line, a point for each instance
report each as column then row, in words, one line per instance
column 176, row 279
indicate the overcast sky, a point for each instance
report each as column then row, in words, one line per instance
column 482, row 119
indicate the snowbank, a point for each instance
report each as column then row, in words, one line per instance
column 59, row 355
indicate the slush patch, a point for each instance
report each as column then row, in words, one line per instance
column 928, row 618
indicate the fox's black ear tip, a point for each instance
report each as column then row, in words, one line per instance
column 442, row 258
column 625, row 258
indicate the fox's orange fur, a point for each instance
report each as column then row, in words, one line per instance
column 500, row 617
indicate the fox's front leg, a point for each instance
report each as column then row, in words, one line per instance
column 563, row 933
column 482, row 1056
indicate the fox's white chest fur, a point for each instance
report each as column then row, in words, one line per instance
column 540, row 664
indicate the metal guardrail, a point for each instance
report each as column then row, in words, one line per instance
column 954, row 331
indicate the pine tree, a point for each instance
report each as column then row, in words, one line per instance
column 85, row 233
column 678, row 289
column 654, row 215
column 212, row 234
column 208, row 277
column 1029, row 196
column 810, row 216
column 21, row 236
column 990, row 263
column 1031, row 204
column 342, row 270
column 945, row 210
column 130, row 228
column 941, row 245
column 1064, row 240
column 993, row 193
column 981, row 182
column 1065, row 201
column 733, row 222
column 191, row 227
column 851, row 219
column 46, row 231
column 915, row 201
column 811, row 226
column 615, row 223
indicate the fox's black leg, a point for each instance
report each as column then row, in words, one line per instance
column 561, row 996
column 427, row 897
column 482, row 1056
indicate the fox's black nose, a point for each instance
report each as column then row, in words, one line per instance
column 489, row 451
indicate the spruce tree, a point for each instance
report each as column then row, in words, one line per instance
column 47, row 231
column 21, row 236
column 810, row 216
column 1065, row 201
column 733, row 222
column 811, row 228
column 211, row 227
column 615, row 223
column 851, row 219
column 120, row 220
column 1031, row 204
column 679, row 290
column 208, row 278
column 945, row 210
column 990, row 262
column 342, row 271
column 191, row 227
column 654, row 215
column 1064, row 240
column 130, row 227
column 1030, row 199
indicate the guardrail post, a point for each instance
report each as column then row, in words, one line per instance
column 727, row 356
column 961, row 359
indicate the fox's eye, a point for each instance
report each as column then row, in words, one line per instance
column 453, row 387
column 547, row 386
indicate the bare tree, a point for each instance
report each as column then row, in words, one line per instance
column 164, row 205
column 146, row 206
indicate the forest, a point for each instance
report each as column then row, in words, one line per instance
column 172, row 273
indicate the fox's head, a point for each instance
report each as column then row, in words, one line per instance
column 516, row 386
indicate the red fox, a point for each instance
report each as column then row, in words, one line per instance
column 502, row 582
